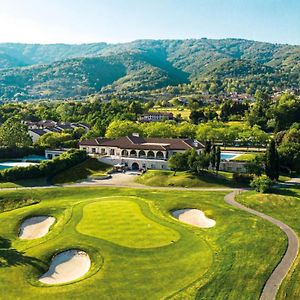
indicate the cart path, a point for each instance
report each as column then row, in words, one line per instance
column 274, row 281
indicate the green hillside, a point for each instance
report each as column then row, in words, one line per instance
column 62, row 71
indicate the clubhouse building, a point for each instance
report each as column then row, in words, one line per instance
column 136, row 152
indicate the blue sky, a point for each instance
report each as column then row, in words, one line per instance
column 113, row 21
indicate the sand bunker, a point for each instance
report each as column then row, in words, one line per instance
column 67, row 266
column 194, row 217
column 35, row 227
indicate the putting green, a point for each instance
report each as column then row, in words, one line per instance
column 123, row 223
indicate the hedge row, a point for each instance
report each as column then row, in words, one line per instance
column 46, row 168
column 7, row 152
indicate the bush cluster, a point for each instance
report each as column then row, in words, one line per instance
column 19, row 152
column 262, row 184
column 45, row 168
column 242, row 178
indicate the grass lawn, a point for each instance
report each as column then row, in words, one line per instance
column 185, row 179
column 285, row 206
column 184, row 112
column 24, row 183
column 90, row 167
column 138, row 251
column 245, row 157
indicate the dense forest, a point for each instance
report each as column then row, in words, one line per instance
column 228, row 65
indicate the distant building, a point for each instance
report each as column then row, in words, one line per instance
column 38, row 129
column 156, row 117
column 49, row 154
column 136, row 152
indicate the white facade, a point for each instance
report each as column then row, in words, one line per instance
column 49, row 154
column 132, row 158
column 34, row 136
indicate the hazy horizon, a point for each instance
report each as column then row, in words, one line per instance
column 117, row 21
column 143, row 39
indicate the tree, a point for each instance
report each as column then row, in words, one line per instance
column 261, row 184
column 218, row 158
column 14, row 134
column 207, row 147
column 255, row 166
column 54, row 139
column 272, row 161
column 136, row 108
column 213, row 157
column 121, row 128
column 178, row 161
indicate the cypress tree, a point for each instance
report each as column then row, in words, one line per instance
column 213, row 157
column 207, row 147
column 218, row 158
column 272, row 161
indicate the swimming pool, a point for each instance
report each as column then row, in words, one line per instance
column 37, row 158
column 10, row 164
column 229, row 155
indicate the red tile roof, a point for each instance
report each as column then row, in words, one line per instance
column 137, row 142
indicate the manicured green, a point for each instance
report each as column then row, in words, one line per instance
column 285, row 206
column 97, row 218
column 223, row 262
column 89, row 167
column 186, row 179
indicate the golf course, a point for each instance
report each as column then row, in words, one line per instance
column 128, row 244
column 283, row 205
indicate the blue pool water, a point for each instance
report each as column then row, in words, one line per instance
column 22, row 162
column 33, row 158
column 228, row 156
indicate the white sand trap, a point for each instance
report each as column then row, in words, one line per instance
column 194, row 217
column 35, row 227
column 67, row 266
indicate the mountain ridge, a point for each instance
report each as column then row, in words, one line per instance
column 33, row 71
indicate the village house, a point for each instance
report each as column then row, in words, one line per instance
column 38, row 129
column 136, row 152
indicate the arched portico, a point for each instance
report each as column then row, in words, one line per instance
column 159, row 155
column 133, row 153
column 124, row 153
column 150, row 154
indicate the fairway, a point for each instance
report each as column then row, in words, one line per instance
column 285, row 206
column 137, row 249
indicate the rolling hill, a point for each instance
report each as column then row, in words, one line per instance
column 63, row 71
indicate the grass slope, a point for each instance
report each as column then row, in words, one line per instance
column 185, row 179
column 285, row 206
column 90, row 167
column 224, row 262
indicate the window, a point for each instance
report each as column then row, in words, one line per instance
column 162, row 166
column 112, row 152
column 93, row 150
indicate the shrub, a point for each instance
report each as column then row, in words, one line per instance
column 45, row 168
column 261, row 184
column 19, row 152
column 242, row 178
